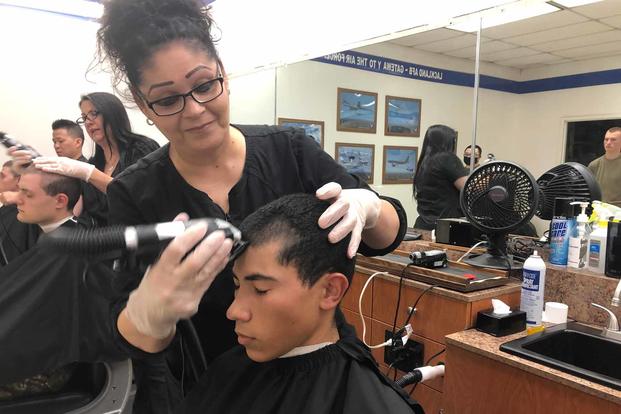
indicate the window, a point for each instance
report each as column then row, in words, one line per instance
column 585, row 139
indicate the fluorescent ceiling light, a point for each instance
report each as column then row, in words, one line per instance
column 502, row 15
column 575, row 3
column 80, row 8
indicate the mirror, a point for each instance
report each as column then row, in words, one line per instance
column 540, row 75
column 415, row 88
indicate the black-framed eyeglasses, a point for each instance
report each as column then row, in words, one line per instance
column 91, row 115
column 203, row 93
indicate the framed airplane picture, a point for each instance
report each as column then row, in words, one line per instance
column 357, row 159
column 402, row 117
column 356, row 111
column 313, row 129
column 399, row 164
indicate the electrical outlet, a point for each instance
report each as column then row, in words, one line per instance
column 404, row 358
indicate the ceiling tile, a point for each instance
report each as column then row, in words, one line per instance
column 427, row 37
column 557, row 33
column 465, row 53
column 588, row 51
column 509, row 54
column 599, row 10
column 530, row 60
column 486, row 48
column 614, row 21
column 573, row 42
column 453, row 43
column 534, row 24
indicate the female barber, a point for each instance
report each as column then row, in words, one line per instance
column 439, row 178
column 105, row 119
column 163, row 51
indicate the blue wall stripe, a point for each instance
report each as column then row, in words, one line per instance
column 394, row 67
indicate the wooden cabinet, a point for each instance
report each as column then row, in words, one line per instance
column 440, row 312
column 475, row 384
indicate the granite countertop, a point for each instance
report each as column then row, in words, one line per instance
column 489, row 346
column 489, row 293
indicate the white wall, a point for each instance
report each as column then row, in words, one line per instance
column 43, row 72
column 45, row 58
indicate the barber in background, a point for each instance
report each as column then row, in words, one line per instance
column 468, row 154
column 439, row 178
column 607, row 168
column 68, row 139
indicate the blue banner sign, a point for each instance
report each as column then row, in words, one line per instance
column 393, row 67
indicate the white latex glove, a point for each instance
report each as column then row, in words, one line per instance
column 173, row 287
column 65, row 166
column 357, row 209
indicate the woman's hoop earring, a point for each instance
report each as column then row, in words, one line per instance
column 149, row 122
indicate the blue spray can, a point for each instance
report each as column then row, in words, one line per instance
column 561, row 229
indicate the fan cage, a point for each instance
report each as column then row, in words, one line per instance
column 499, row 197
column 566, row 180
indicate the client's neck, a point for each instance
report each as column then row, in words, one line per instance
column 326, row 332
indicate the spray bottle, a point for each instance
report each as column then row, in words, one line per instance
column 561, row 229
column 533, row 285
column 597, row 240
column 578, row 242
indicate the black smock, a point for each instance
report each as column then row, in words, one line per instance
column 278, row 162
column 436, row 195
column 55, row 310
column 339, row 378
column 15, row 237
column 95, row 211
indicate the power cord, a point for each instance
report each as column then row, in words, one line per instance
column 364, row 325
column 471, row 249
column 413, row 309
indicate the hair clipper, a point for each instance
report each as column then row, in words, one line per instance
column 9, row 141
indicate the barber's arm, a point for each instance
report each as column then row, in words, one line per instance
column 172, row 288
column 460, row 182
column 74, row 168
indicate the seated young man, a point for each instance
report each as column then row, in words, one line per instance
column 290, row 281
column 45, row 201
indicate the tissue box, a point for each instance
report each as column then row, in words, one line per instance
column 501, row 325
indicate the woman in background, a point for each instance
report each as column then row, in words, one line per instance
column 439, row 178
column 105, row 119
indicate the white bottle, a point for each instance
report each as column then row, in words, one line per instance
column 578, row 242
column 533, row 285
column 597, row 248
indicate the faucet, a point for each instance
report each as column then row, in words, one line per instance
column 612, row 331
column 616, row 298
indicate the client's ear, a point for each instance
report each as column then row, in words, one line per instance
column 334, row 286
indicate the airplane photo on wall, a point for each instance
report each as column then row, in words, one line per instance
column 313, row 129
column 358, row 159
column 356, row 111
column 402, row 116
column 399, row 164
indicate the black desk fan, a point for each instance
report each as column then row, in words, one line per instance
column 498, row 197
column 501, row 196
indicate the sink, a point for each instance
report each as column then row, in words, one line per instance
column 574, row 348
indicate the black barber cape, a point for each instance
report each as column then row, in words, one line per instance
column 54, row 310
column 339, row 378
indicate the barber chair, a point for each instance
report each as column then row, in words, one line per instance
column 94, row 388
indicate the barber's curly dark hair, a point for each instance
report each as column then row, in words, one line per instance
column 133, row 30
